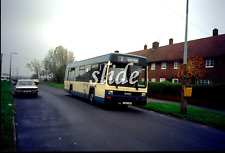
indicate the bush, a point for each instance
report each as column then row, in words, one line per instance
column 211, row 95
column 164, row 88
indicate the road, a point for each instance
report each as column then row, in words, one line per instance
column 56, row 122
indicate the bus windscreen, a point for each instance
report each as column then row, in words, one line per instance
column 127, row 75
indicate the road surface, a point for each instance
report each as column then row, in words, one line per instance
column 56, row 122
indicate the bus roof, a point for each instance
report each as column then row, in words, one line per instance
column 105, row 58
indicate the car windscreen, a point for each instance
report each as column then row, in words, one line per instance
column 25, row 83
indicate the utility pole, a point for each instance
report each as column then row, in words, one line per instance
column 17, row 73
column 183, row 99
column 10, row 69
column 1, row 62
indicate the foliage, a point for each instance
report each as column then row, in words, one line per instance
column 164, row 88
column 7, row 106
column 35, row 66
column 56, row 61
column 210, row 94
column 194, row 68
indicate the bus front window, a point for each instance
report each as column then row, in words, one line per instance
column 127, row 75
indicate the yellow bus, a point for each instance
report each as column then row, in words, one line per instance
column 113, row 78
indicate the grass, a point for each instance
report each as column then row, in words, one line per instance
column 60, row 86
column 203, row 116
column 7, row 107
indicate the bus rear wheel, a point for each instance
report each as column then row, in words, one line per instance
column 91, row 97
column 70, row 93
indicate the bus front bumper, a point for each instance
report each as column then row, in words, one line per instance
column 118, row 100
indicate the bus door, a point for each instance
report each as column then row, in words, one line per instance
column 87, row 77
column 71, row 78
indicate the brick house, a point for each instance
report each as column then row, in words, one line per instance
column 162, row 61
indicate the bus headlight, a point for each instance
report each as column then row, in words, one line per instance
column 143, row 94
column 110, row 92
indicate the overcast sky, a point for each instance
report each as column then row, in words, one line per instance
column 91, row 28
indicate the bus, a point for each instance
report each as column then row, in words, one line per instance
column 114, row 78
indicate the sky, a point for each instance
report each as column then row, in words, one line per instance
column 91, row 28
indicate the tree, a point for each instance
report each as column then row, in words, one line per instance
column 46, row 69
column 34, row 66
column 56, row 61
column 195, row 70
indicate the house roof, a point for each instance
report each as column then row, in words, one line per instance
column 205, row 47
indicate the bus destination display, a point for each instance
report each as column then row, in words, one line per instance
column 127, row 59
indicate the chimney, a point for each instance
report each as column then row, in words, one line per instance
column 116, row 51
column 170, row 41
column 145, row 46
column 215, row 32
column 155, row 45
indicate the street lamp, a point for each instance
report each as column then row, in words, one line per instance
column 10, row 69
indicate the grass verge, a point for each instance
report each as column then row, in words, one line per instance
column 60, row 86
column 7, row 115
column 203, row 116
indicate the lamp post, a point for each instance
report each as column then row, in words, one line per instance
column 183, row 99
column 10, row 69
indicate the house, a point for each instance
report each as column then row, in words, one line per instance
column 162, row 61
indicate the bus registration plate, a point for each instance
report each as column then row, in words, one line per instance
column 127, row 103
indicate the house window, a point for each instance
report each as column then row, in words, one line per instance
column 153, row 66
column 209, row 63
column 175, row 80
column 205, row 82
column 152, row 79
column 176, row 65
column 163, row 65
column 162, row 79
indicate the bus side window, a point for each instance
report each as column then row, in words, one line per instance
column 71, row 74
column 87, row 75
column 94, row 67
column 76, row 74
column 66, row 75
column 81, row 74
column 101, row 69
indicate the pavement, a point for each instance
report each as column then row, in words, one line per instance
column 178, row 102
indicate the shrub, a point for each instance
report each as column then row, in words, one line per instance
column 164, row 88
column 212, row 94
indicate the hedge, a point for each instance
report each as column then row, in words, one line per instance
column 211, row 95
column 212, row 92
column 164, row 88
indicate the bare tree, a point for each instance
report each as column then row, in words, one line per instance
column 46, row 69
column 56, row 61
column 34, row 66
